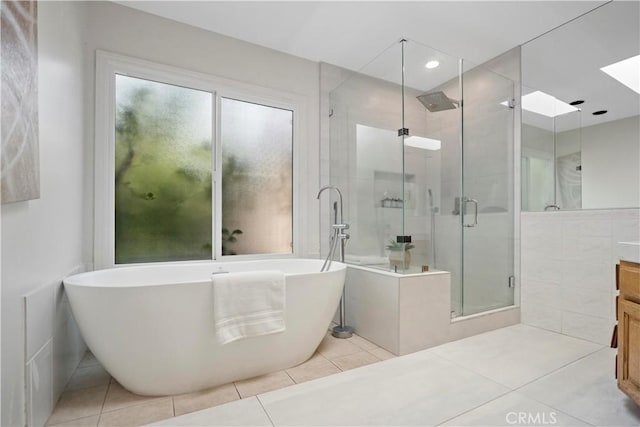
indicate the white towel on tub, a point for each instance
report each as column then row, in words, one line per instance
column 248, row 304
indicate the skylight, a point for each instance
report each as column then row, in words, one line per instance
column 626, row 72
column 542, row 103
column 423, row 143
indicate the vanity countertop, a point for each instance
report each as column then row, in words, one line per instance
column 629, row 251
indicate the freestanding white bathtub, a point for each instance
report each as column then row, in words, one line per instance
column 152, row 327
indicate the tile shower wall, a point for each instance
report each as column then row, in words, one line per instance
column 568, row 269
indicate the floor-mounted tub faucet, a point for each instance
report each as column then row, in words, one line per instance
column 338, row 234
column 338, row 227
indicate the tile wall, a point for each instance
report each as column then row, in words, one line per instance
column 568, row 269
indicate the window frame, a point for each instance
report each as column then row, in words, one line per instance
column 217, row 227
column 107, row 66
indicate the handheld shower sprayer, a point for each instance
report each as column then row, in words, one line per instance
column 433, row 211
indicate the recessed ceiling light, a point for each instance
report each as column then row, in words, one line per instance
column 599, row 112
column 542, row 103
column 423, row 143
column 626, row 72
column 432, row 64
column 577, row 102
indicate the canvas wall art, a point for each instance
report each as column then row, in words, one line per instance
column 20, row 175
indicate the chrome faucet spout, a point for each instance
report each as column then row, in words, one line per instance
column 337, row 190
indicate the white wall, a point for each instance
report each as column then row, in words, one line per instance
column 611, row 164
column 537, row 176
column 1, row 396
column 610, row 159
column 568, row 269
column 127, row 31
column 42, row 240
column 46, row 239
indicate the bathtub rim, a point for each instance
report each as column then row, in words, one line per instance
column 77, row 279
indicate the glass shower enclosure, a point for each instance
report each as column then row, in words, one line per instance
column 421, row 145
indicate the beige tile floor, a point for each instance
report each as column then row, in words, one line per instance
column 485, row 380
column 93, row 398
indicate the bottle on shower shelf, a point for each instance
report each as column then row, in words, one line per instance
column 386, row 202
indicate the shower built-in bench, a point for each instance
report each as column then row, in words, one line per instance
column 404, row 313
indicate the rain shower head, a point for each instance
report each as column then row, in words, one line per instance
column 438, row 101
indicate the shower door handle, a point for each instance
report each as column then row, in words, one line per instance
column 475, row 213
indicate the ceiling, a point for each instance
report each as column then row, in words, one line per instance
column 351, row 34
column 566, row 64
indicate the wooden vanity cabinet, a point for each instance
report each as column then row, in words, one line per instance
column 628, row 368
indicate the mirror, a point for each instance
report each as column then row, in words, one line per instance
column 580, row 113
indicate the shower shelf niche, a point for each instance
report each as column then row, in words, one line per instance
column 388, row 189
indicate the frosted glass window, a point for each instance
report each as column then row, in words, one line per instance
column 257, row 178
column 162, row 172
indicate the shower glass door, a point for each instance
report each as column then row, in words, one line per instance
column 487, row 199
